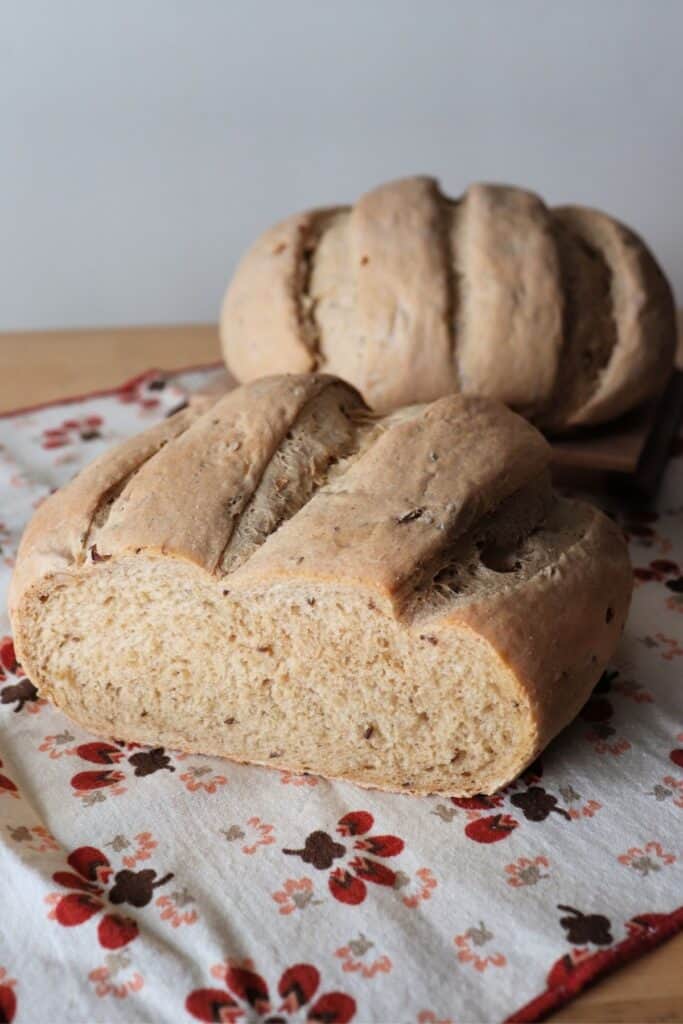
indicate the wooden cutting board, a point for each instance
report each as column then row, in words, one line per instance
column 629, row 455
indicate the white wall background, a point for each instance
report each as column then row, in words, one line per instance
column 143, row 143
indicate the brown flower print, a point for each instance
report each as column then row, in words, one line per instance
column 88, row 881
column 71, row 431
column 36, row 838
column 89, row 785
column 19, row 693
column 347, row 883
column 581, row 928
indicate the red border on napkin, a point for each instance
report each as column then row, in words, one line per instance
column 566, row 979
column 107, row 392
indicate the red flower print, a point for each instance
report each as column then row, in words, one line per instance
column 668, row 788
column 417, row 889
column 86, row 429
column 146, row 844
column 577, row 968
column 108, row 979
column 8, row 658
column 658, row 571
column 577, row 809
column 97, row 753
column 535, row 803
column 37, row 837
column 88, row 784
column 353, row 959
column 93, row 873
column 202, row 777
column 174, row 908
column 290, row 779
column 652, row 857
column 8, row 999
column 259, row 833
column 676, row 755
column 246, row 990
column 7, row 786
column 598, row 712
column 88, row 896
column 429, row 1017
column 526, row 871
column 20, row 691
column 470, row 941
column 564, row 970
column 669, row 648
column 347, row 880
column 296, row 894
column 492, row 829
column 477, row 803
column 142, row 391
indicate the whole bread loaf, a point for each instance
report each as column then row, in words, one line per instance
column 279, row 576
column 563, row 314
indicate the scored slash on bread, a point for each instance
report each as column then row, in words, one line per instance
column 282, row 577
column 561, row 313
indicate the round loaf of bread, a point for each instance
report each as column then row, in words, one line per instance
column 279, row 576
column 563, row 314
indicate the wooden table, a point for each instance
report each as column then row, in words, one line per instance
column 40, row 366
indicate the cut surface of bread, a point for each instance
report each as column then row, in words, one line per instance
column 281, row 577
column 563, row 314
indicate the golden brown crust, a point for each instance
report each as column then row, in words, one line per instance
column 553, row 629
column 418, row 487
column 403, row 290
column 644, row 317
column 510, row 323
column 411, row 490
column 410, row 296
column 56, row 538
column 178, row 487
column 279, row 257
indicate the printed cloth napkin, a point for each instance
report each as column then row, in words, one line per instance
column 141, row 884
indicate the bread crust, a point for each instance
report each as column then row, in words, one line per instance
column 431, row 486
column 644, row 315
column 410, row 296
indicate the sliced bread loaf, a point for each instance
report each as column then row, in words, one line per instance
column 279, row 576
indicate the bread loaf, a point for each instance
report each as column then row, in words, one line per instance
column 279, row 576
column 563, row 314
